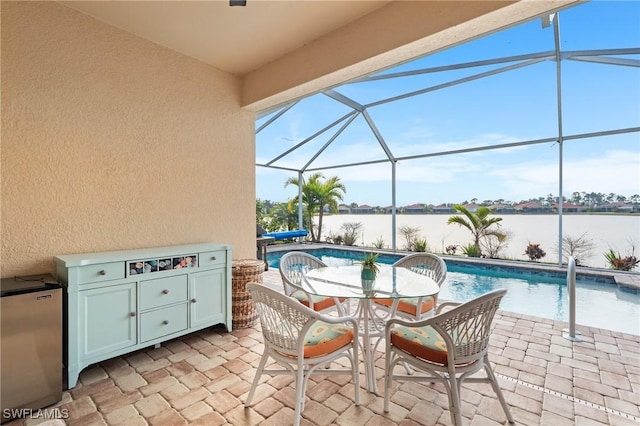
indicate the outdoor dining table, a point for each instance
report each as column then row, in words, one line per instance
column 390, row 282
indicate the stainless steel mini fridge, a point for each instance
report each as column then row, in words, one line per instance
column 31, row 344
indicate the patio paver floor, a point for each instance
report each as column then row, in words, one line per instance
column 203, row 379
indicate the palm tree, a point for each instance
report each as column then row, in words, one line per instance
column 261, row 213
column 329, row 193
column 318, row 193
column 479, row 223
column 284, row 216
column 308, row 199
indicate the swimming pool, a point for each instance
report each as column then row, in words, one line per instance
column 599, row 302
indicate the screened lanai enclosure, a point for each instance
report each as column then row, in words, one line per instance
column 550, row 107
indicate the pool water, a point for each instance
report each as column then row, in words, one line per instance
column 598, row 304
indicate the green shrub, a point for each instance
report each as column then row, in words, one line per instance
column 420, row 244
column 621, row 263
column 337, row 239
column 379, row 243
column 472, row 250
column 351, row 232
column 410, row 234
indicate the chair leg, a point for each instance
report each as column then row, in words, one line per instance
column 454, row 400
column 299, row 394
column 387, row 378
column 497, row 390
column 356, row 374
column 254, row 385
column 306, row 375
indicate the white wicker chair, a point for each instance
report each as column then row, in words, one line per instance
column 416, row 308
column 293, row 265
column 302, row 340
column 448, row 347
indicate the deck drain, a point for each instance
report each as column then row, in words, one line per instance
column 571, row 398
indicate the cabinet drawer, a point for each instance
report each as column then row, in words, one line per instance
column 163, row 291
column 100, row 272
column 162, row 322
column 213, row 258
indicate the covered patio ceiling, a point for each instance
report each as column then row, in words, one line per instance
column 285, row 50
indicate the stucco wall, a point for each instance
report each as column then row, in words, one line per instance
column 111, row 142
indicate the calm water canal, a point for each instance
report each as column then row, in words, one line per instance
column 619, row 232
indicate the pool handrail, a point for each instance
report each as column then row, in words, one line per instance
column 571, row 291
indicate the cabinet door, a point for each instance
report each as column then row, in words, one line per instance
column 207, row 294
column 107, row 318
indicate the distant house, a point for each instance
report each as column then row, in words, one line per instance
column 611, row 207
column 363, row 209
column 388, row 209
column 531, row 208
column 617, row 207
column 344, row 209
column 473, row 208
column 442, row 209
column 502, row 208
column 414, row 208
column 569, row 207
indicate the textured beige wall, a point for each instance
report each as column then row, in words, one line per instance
column 111, row 142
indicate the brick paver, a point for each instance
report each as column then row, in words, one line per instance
column 203, row 379
column 152, row 405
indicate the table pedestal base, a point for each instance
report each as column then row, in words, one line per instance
column 372, row 328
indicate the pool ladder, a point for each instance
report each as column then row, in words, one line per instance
column 570, row 333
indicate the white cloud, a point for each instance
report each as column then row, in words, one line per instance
column 514, row 174
column 616, row 171
column 468, row 176
column 415, row 140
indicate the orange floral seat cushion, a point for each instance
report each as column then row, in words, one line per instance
column 421, row 342
column 410, row 305
column 320, row 303
column 324, row 338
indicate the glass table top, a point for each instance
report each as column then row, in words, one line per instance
column 391, row 282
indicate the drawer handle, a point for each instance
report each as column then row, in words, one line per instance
column 213, row 258
column 193, row 300
column 165, row 291
column 165, row 322
column 102, row 272
column 132, row 314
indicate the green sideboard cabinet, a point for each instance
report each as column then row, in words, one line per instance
column 122, row 301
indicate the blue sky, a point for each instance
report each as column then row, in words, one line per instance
column 518, row 105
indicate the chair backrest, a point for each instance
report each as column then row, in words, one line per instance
column 284, row 320
column 427, row 264
column 467, row 327
column 293, row 265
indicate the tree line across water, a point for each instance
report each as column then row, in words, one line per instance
column 320, row 195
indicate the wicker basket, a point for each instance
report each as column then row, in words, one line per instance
column 245, row 271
